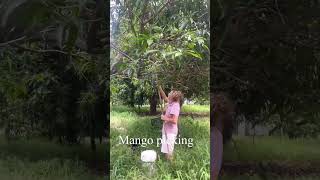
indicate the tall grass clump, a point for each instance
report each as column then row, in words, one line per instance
column 13, row 168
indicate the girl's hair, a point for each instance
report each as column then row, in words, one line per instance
column 177, row 96
column 222, row 113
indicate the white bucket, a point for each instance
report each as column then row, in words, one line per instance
column 148, row 159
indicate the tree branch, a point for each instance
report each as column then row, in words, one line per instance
column 44, row 51
column 281, row 16
column 158, row 12
column 231, row 75
column 131, row 18
column 144, row 9
column 12, row 41
column 121, row 52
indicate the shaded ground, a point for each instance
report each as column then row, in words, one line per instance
column 40, row 150
column 287, row 169
column 271, row 158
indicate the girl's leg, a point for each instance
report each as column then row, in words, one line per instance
column 167, row 144
column 164, row 148
column 170, row 145
column 169, row 156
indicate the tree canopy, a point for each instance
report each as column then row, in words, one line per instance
column 54, row 74
column 160, row 40
column 265, row 54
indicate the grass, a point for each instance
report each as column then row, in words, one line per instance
column 196, row 108
column 189, row 163
column 273, row 149
column 298, row 155
column 38, row 159
column 256, row 177
column 13, row 168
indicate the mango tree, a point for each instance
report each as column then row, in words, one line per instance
column 53, row 68
column 160, row 41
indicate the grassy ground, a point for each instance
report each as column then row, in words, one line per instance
column 38, row 159
column 189, row 163
column 272, row 158
column 273, row 148
column 256, row 177
column 196, row 109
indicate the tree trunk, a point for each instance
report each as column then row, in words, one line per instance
column 254, row 134
column 100, row 139
column 153, row 104
column 93, row 142
column 93, row 43
column 216, row 154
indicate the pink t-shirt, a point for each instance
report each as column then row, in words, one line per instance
column 172, row 109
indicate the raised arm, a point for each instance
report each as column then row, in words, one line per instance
column 163, row 94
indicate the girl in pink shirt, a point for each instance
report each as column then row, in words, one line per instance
column 170, row 121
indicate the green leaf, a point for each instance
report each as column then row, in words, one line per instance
column 157, row 29
column 138, row 3
column 178, row 54
column 200, row 41
column 191, row 45
column 151, row 51
column 166, row 54
column 149, row 42
column 191, row 20
column 206, row 47
column 183, row 25
column 194, row 54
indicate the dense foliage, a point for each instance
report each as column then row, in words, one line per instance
column 54, row 74
column 266, row 56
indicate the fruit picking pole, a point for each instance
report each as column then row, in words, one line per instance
column 165, row 133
